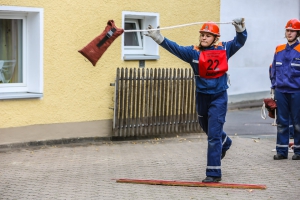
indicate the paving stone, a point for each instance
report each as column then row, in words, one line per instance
column 88, row 172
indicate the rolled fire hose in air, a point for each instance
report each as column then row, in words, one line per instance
column 96, row 48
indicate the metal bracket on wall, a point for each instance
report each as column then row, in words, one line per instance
column 142, row 63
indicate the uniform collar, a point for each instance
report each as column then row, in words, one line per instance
column 293, row 45
column 209, row 48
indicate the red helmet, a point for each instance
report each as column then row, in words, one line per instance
column 210, row 27
column 293, row 24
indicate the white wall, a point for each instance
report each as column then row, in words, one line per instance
column 265, row 22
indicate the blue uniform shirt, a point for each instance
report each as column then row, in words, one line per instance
column 285, row 69
column 191, row 55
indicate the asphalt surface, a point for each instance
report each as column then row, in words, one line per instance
column 89, row 170
column 249, row 123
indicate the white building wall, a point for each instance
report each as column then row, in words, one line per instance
column 265, row 22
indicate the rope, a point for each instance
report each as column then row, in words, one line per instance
column 263, row 111
column 274, row 123
column 264, row 115
column 177, row 26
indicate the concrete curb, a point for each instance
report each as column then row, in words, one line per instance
column 62, row 141
column 245, row 104
column 84, row 140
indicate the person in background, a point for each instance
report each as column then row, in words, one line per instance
column 291, row 127
column 285, row 86
column 209, row 61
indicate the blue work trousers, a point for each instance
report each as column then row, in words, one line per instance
column 288, row 106
column 212, row 110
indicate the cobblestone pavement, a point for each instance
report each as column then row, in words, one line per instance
column 87, row 171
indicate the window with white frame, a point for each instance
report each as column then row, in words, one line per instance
column 21, row 52
column 136, row 46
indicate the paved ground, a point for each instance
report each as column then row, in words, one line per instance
column 249, row 123
column 88, row 170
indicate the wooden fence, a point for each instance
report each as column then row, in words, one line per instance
column 154, row 102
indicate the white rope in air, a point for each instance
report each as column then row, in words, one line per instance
column 177, row 26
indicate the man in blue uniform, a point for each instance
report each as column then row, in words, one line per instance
column 285, row 79
column 291, row 127
column 209, row 61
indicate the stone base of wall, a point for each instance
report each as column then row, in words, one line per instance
column 52, row 132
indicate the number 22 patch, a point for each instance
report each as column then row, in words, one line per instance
column 212, row 63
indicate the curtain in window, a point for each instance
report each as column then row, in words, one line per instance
column 10, row 37
column 131, row 37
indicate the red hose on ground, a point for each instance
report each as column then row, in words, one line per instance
column 192, row 184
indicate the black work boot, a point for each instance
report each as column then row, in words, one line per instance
column 223, row 154
column 279, row 157
column 211, row 179
column 224, row 151
column 296, row 157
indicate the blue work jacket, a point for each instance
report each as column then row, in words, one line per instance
column 190, row 54
column 285, row 68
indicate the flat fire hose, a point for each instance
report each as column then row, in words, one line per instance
column 192, row 184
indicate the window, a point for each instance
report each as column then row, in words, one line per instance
column 136, row 46
column 132, row 40
column 21, row 52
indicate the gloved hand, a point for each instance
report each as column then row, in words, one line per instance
column 155, row 35
column 239, row 24
column 272, row 94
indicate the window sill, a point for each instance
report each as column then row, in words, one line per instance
column 140, row 57
column 20, row 95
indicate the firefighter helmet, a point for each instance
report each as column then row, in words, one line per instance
column 210, row 27
column 293, row 24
